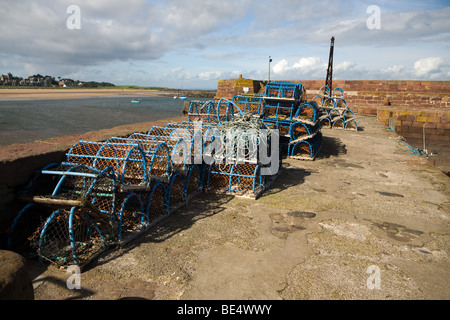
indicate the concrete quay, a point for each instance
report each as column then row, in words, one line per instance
column 364, row 220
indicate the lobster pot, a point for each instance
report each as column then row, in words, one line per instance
column 325, row 121
column 328, row 103
column 238, row 179
column 84, row 152
column 283, row 126
column 158, row 132
column 249, row 104
column 143, row 138
column 175, row 196
column 128, row 160
column 306, row 149
column 180, row 151
column 338, row 93
column 281, row 89
column 31, row 216
column 279, row 109
column 211, row 111
column 338, row 123
column 183, row 124
column 308, row 112
column 318, row 100
column 351, row 125
column 301, row 130
column 23, row 228
column 193, row 183
column 335, row 114
column 341, row 104
column 41, row 184
column 348, row 114
column 156, row 153
column 70, row 237
column 156, row 204
column 202, row 111
column 325, row 91
column 131, row 216
column 238, row 141
column 77, row 182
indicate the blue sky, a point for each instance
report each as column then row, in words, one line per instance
column 193, row 44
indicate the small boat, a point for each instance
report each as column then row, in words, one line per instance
column 136, row 100
column 183, row 98
column 175, row 97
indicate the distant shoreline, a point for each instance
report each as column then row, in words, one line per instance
column 71, row 93
column 74, row 93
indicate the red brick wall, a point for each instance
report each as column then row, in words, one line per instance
column 366, row 96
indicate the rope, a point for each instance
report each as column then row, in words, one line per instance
column 410, row 150
column 242, row 134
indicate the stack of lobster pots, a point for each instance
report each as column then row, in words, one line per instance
column 334, row 111
column 233, row 140
column 283, row 106
column 106, row 193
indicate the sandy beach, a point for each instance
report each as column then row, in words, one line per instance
column 72, row 93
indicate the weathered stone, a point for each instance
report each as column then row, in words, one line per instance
column 15, row 282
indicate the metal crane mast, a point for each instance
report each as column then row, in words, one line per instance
column 329, row 80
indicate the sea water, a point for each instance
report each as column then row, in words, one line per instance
column 27, row 120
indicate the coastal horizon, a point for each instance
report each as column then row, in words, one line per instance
column 72, row 93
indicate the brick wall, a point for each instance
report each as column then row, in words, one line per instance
column 363, row 96
column 412, row 125
column 415, row 106
column 231, row 87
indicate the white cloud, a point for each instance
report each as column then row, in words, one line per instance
column 281, row 66
column 226, row 35
column 428, row 66
column 305, row 66
column 210, row 75
column 344, row 66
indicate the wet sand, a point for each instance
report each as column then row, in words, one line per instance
column 72, row 93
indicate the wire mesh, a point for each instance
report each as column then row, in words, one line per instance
column 281, row 89
column 211, row 111
column 234, row 178
column 307, row 148
column 249, row 103
column 308, row 112
column 175, row 192
column 70, row 237
column 156, row 203
column 22, row 230
column 193, row 181
column 131, row 216
column 281, row 110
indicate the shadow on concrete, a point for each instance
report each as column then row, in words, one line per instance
column 288, row 177
column 331, row 147
column 78, row 293
column 199, row 207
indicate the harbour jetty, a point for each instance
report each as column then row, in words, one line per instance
column 365, row 219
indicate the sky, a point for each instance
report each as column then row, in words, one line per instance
column 191, row 44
